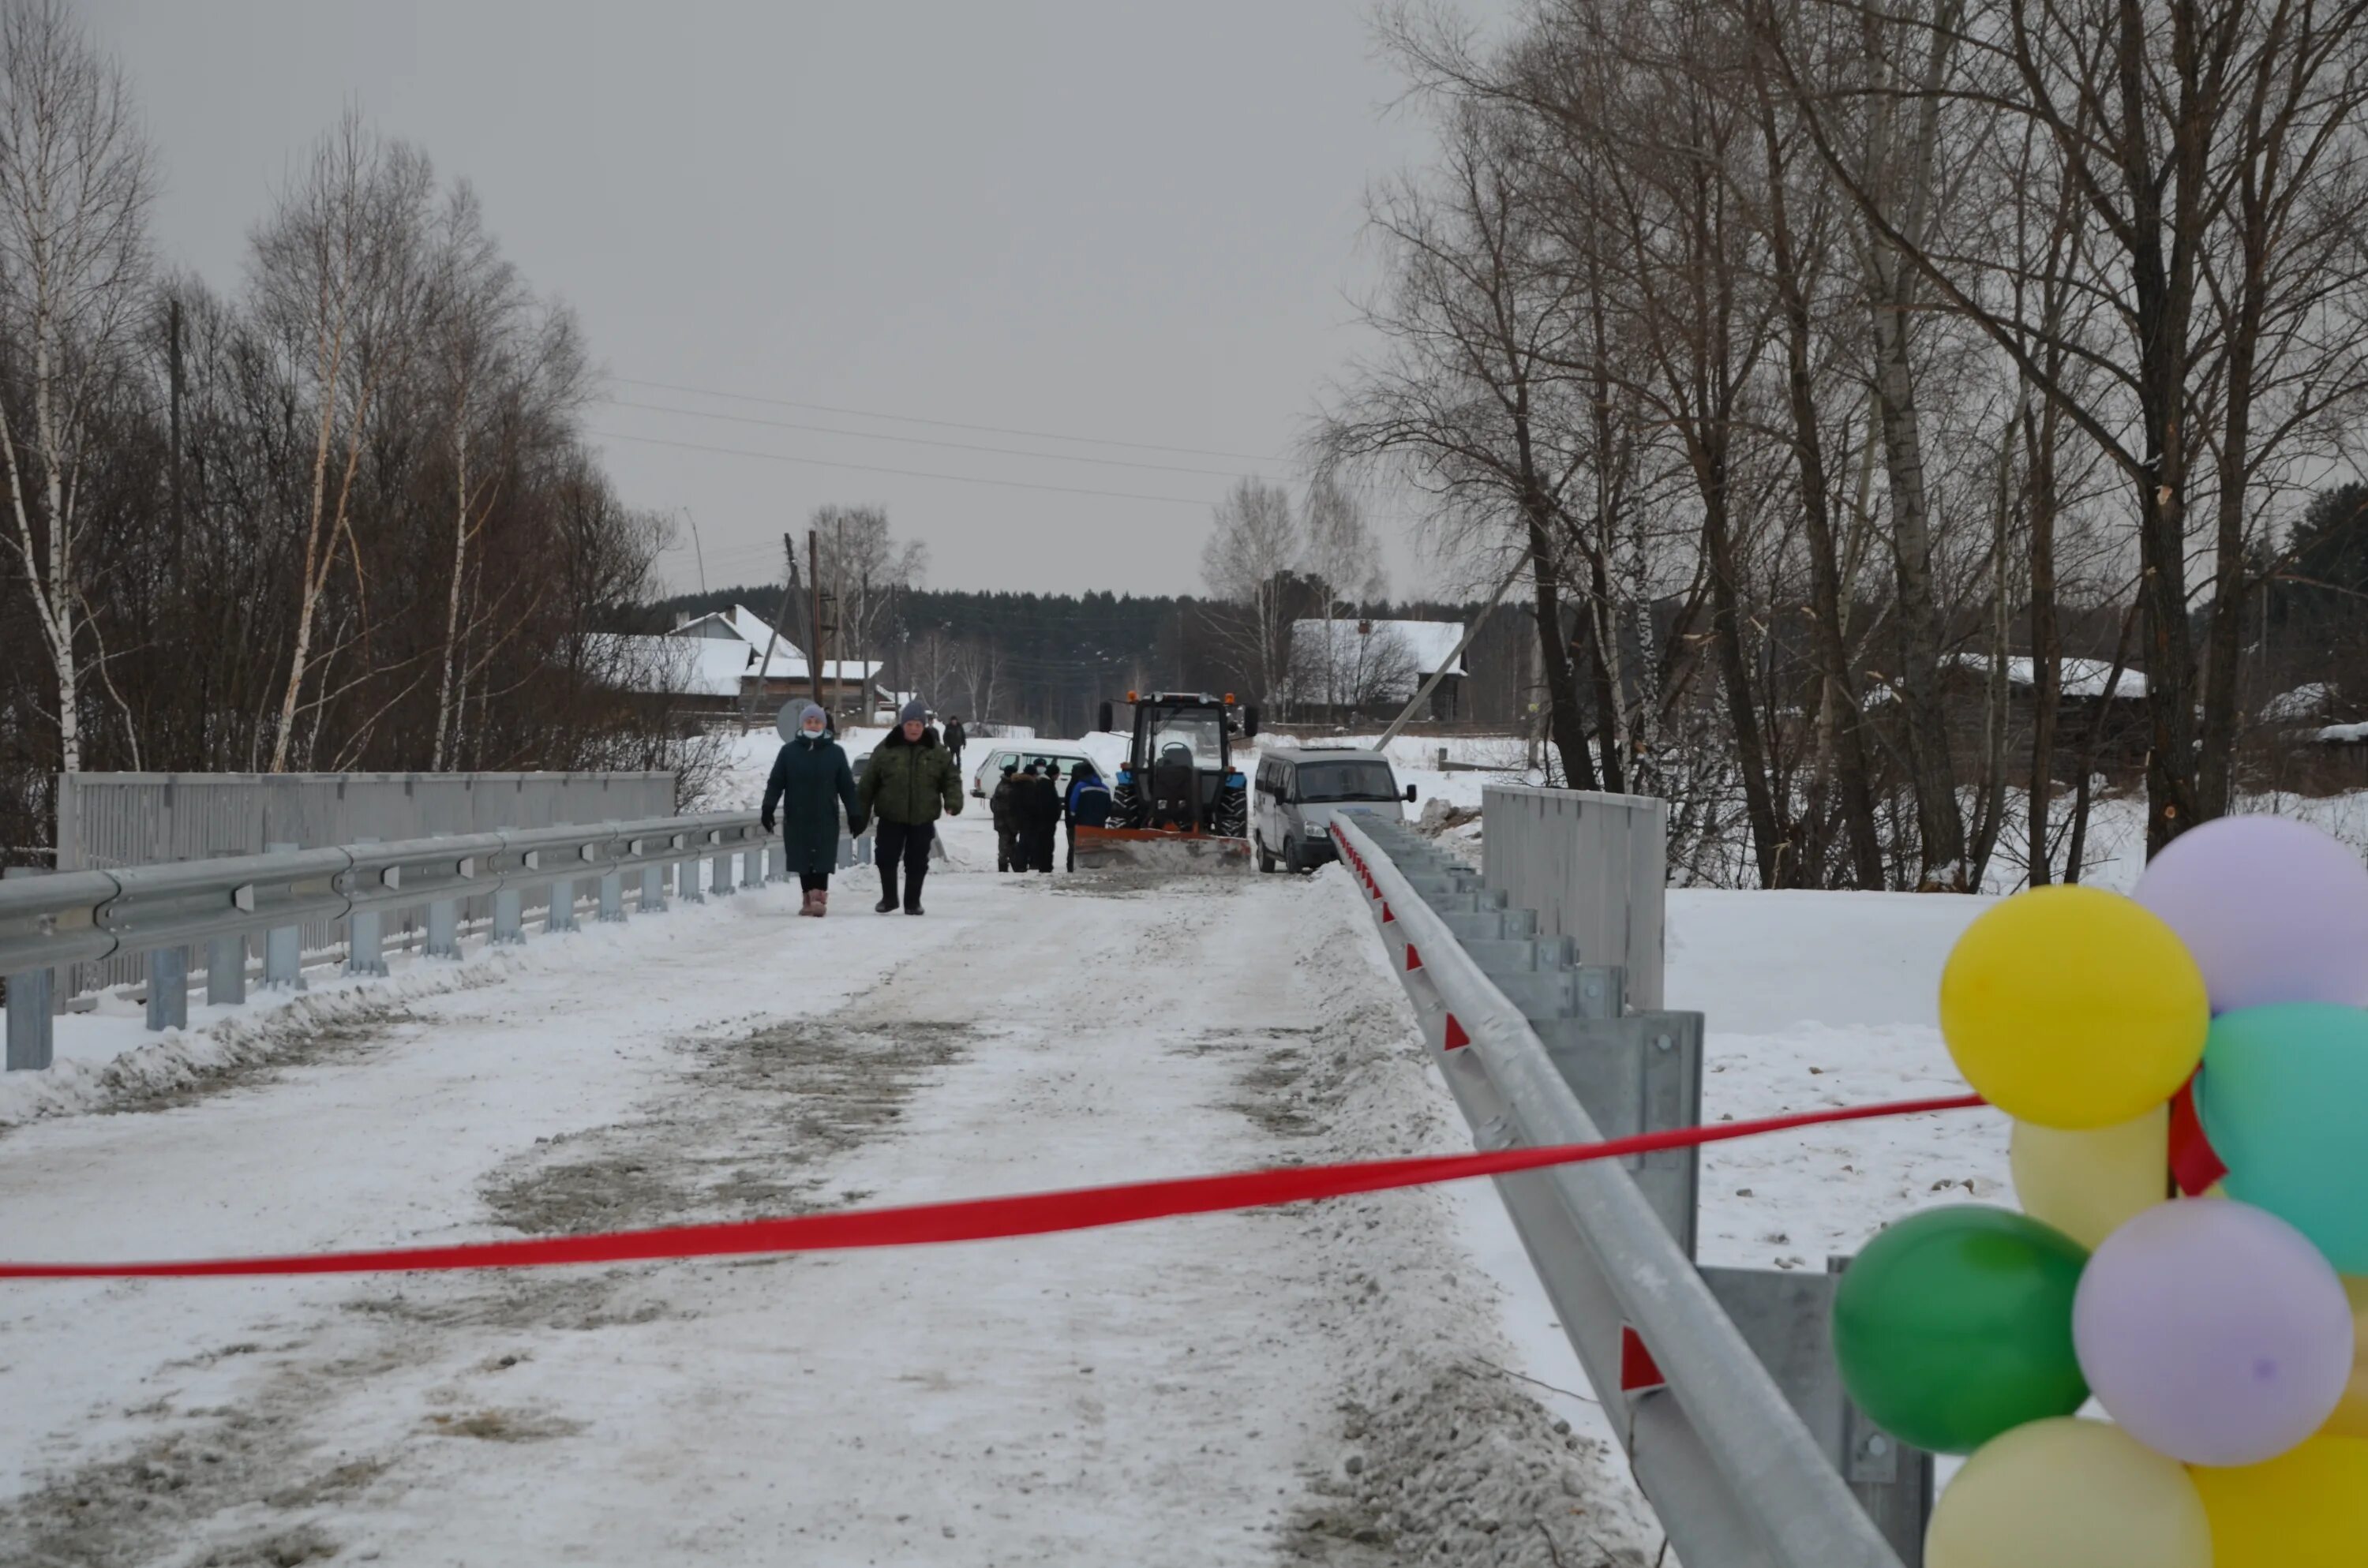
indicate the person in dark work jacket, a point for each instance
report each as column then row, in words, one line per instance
column 907, row 785
column 811, row 782
column 1004, row 805
column 1039, row 815
column 1088, row 805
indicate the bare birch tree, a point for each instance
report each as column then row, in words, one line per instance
column 75, row 180
column 1247, row 563
column 340, row 275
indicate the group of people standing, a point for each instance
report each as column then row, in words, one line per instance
column 909, row 782
column 1030, row 803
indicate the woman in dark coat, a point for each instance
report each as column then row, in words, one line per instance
column 810, row 782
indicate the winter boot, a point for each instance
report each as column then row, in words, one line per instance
column 808, row 906
column 913, row 893
column 821, row 903
column 887, row 904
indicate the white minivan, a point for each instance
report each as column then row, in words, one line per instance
column 1063, row 754
column 1300, row 789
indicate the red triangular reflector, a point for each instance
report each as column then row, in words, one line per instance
column 1638, row 1370
column 1414, row 958
column 2195, row 1164
column 1456, row 1039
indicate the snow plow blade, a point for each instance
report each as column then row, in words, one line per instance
column 1151, row 849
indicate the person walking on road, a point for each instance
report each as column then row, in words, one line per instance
column 955, row 740
column 1088, row 805
column 810, row 783
column 1039, row 815
column 907, row 785
column 1004, row 806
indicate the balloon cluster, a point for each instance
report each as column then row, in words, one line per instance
column 2221, row 1333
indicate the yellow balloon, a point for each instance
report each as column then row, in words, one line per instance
column 2306, row 1508
column 2068, row 1494
column 2086, row 1184
column 2350, row 1417
column 2073, row 1007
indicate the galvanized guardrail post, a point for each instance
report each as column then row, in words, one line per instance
column 283, row 945
column 226, row 970
column 365, row 952
column 721, row 886
column 1718, row 1442
column 169, row 989
column 686, row 870
column 561, row 915
column 509, row 899
column 32, row 1001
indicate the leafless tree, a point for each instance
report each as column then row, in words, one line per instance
column 75, row 179
column 2216, row 147
column 1247, row 563
column 505, row 373
column 863, row 567
column 341, row 277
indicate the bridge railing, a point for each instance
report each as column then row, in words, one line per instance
column 51, row 922
column 1719, row 1383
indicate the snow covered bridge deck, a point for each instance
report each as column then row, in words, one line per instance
column 1331, row 1381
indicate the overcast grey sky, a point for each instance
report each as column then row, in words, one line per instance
column 1113, row 219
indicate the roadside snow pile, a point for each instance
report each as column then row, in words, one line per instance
column 108, row 1061
column 1446, row 1453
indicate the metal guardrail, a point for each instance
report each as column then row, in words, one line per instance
column 50, row 922
column 108, row 821
column 1593, row 866
column 1719, row 1383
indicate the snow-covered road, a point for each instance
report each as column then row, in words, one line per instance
column 1329, row 1382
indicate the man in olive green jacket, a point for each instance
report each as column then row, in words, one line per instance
column 909, row 783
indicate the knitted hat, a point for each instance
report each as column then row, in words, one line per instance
column 914, row 713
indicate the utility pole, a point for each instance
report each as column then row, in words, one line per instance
column 789, row 599
column 173, row 356
column 813, row 656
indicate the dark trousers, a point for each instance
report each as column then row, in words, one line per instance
column 813, row 881
column 1036, row 848
column 1072, row 829
column 895, row 841
column 1007, row 851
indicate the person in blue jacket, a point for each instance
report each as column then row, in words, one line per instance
column 1088, row 802
column 810, row 783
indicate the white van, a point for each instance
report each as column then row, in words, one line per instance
column 1064, row 754
column 1300, row 789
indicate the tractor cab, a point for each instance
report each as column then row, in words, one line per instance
column 1179, row 786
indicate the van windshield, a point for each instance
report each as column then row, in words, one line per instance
column 1346, row 781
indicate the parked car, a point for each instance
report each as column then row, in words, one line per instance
column 1300, row 789
column 1065, row 754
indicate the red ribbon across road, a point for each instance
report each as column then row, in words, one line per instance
column 981, row 1218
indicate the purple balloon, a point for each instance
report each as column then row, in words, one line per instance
column 2273, row 909
column 2212, row 1332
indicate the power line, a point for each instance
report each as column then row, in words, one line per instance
column 942, row 423
column 920, row 440
column 905, row 472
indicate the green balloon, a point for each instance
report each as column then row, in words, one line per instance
column 1955, row 1325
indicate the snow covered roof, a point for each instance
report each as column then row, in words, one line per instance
column 1429, row 643
column 738, row 622
column 2300, row 705
column 2079, row 677
column 674, row 665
